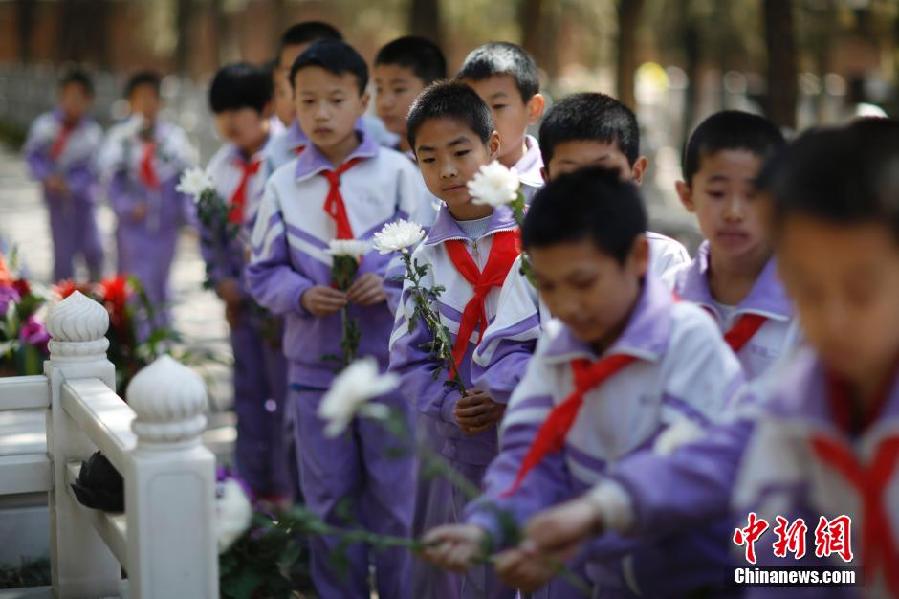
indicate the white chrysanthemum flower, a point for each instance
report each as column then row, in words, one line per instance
column 397, row 236
column 194, row 181
column 679, row 433
column 348, row 247
column 350, row 393
column 234, row 513
column 494, row 185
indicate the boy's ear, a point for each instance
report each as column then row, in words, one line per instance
column 366, row 98
column 639, row 169
column 685, row 194
column 494, row 145
column 639, row 256
column 536, row 105
column 268, row 110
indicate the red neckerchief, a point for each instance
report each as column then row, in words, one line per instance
column 334, row 205
column 502, row 255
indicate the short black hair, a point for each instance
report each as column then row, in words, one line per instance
column 334, row 56
column 78, row 77
column 593, row 204
column 846, row 176
column 590, row 117
column 503, row 58
column 240, row 85
column 417, row 53
column 450, row 100
column 151, row 78
column 730, row 130
column 307, row 32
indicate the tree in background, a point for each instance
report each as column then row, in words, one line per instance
column 630, row 13
column 425, row 20
column 783, row 69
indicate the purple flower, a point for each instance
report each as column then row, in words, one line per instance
column 34, row 333
column 8, row 296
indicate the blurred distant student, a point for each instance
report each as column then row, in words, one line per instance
column 287, row 145
column 403, row 69
column 141, row 162
column 734, row 274
column 506, row 78
column 61, row 152
column 293, row 42
column 240, row 97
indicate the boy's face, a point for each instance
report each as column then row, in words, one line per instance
column 328, row 105
column 284, row 104
column 145, row 101
column 449, row 154
column 844, row 280
column 511, row 114
column 244, row 127
column 588, row 290
column 74, row 101
column 570, row 156
column 731, row 215
column 396, row 87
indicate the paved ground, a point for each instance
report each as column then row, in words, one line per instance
column 198, row 315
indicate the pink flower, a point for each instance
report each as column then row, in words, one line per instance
column 34, row 333
column 8, row 295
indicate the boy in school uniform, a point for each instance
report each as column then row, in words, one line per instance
column 296, row 40
column 61, row 151
column 403, row 69
column 342, row 186
column 734, row 274
column 141, row 162
column 507, row 80
column 287, row 144
column 625, row 362
column 582, row 130
column 240, row 98
column 469, row 249
column 822, row 443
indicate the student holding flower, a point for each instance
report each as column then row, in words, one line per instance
column 468, row 253
column 343, row 186
column 240, row 98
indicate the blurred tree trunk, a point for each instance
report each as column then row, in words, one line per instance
column 221, row 32
column 424, row 19
column 629, row 13
column 783, row 73
column 692, row 63
column 182, row 35
column 25, row 19
column 538, row 22
column 280, row 22
column 99, row 25
column 79, row 16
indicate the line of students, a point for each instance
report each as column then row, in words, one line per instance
column 618, row 384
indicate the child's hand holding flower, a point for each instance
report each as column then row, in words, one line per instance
column 455, row 546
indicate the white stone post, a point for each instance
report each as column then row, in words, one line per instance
column 82, row 564
column 170, row 494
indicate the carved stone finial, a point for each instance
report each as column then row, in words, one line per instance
column 170, row 401
column 78, row 327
